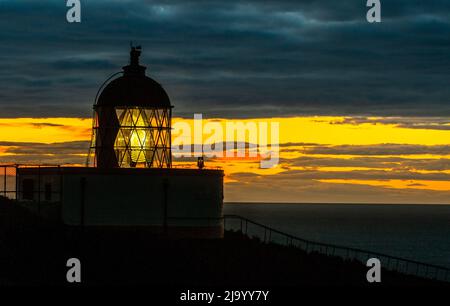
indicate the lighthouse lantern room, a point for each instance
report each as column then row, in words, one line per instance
column 132, row 121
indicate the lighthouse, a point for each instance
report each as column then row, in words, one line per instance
column 129, row 180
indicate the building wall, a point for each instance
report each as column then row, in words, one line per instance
column 189, row 198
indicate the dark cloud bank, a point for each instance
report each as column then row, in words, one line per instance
column 231, row 58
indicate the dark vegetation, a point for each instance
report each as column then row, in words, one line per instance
column 34, row 252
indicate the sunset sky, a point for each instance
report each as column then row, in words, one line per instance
column 364, row 109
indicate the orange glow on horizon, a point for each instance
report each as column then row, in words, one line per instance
column 398, row 184
column 299, row 137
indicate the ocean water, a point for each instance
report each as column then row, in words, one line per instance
column 417, row 232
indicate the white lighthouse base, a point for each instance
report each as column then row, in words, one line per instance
column 178, row 202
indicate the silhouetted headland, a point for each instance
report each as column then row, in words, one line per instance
column 34, row 252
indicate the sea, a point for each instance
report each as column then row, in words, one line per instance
column 416, row 232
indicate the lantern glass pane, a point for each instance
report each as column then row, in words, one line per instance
column 143, row 137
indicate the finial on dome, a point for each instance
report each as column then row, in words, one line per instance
column 134, row 68
column 135, row 52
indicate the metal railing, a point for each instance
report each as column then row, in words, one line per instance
column 8, row 184
column 42, row 197
column 392, row 263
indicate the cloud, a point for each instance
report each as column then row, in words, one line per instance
column 395, row 163
column 82, row 64
column 46, row 124
column 416, row 185
column 72, row 152
column 233, row 58
column 364, row 175
column 379, row 149
column 432, row 123
column 71, row 147
column 268, row 189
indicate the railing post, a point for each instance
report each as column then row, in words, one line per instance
column 165, row 204
column 39, row 190
column 4, row 182
column 82, row 201
column 17, row 184
column 61, row 190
